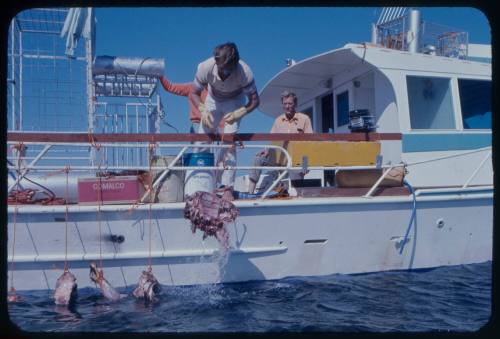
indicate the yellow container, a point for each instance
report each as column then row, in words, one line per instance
column 328, row 153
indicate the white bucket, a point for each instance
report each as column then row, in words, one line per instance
column 199, row 180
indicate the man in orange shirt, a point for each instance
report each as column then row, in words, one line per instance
column 288, row 122
column 184, row 89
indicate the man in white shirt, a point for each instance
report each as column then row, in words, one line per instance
column 229, row 80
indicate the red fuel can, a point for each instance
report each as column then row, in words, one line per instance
column 112, row 190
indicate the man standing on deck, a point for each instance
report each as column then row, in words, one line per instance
column 290, row 121
column 228, row 80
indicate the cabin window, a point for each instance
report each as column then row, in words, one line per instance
column 327, row 113
column 475, row 100
column 430, row 103
column 309, row 112
column 343, row 108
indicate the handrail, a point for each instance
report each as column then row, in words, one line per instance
column 285, row 168
column 188, row 137
column 275, row 182
column 165, row 172
column 422, row 191
column 478, row 150
column 171, row 166
column 377, row 183
column 27, row 168
column 473, row 175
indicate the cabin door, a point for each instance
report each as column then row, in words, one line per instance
column 327, row 113
column 342, row 103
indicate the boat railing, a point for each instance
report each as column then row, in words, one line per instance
column 23, row 170
column 388, row 168
column 163, row 143
column 465, row 186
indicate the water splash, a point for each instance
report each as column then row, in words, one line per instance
column 222, row 256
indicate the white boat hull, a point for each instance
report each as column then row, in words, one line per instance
column 271, row 239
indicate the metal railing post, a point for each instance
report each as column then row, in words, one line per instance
column 21, row 175
column 473, row 175
column 165, row 172
column 377, row 183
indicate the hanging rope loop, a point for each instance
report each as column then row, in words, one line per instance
column 66, row 215
column 13, row 297
column 151, row 148
column 93, row 142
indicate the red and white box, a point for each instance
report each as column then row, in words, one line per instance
column 111, row 190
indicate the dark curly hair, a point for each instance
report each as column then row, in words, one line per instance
column 226, row 54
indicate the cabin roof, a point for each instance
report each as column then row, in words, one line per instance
column 314, row 72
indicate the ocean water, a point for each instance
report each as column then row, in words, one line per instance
column 456, row 298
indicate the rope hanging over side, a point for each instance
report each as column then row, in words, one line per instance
column 151, row 148
column 12, row 297
column 65, row 292
column 66, row 221
column 148, row 286
column 99, row 194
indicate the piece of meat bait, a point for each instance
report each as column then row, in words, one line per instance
column 66, row 287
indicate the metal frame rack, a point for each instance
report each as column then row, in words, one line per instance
column 46, row 89
column 401, row 28
column 53, row 90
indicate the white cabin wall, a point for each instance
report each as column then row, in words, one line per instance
column 387, row 118
column 386, row 105
column 391, row 102
column 364, row 92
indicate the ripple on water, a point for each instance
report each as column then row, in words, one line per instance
column 444, row 299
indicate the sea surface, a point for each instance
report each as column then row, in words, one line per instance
column 456, row 299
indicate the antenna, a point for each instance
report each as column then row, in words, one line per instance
column 391, row 13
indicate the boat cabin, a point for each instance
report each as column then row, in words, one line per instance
column 440, row 105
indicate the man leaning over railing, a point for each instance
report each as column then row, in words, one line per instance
column 228, row 80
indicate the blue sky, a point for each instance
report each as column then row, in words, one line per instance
column 265, row 37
